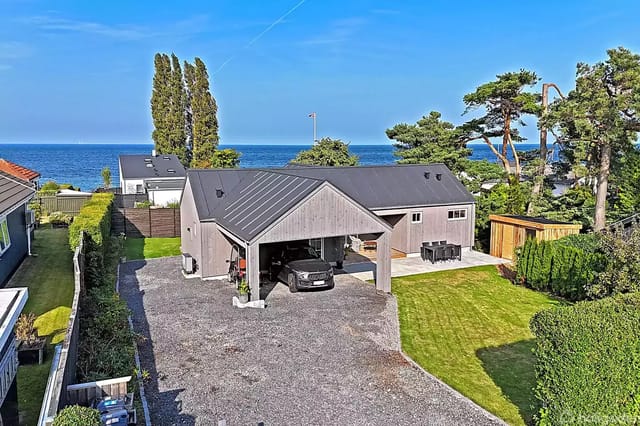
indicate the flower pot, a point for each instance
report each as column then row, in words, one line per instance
column 243, row 298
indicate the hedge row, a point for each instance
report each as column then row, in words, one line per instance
column 94, row 219
column 564, row 267
column 588, row 362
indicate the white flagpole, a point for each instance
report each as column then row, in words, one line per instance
column 315, row 138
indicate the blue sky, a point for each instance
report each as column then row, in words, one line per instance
column 80, row 71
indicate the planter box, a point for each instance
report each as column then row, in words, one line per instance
column 30, row 354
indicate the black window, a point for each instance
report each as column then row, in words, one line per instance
column 457, row 214
column 416, row 217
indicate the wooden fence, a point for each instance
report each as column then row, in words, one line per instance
column 145, row 222
column 63, row 367
column 70, row 205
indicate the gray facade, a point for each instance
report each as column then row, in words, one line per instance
column 17, row 251
column 254, row 209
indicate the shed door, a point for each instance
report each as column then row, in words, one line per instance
column 507, row 242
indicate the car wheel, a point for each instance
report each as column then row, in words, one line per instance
column 291, row 280
column 332, row 285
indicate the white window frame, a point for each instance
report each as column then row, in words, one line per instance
column 4, row 234
column 419, row 220
column 459, row 211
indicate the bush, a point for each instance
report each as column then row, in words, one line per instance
column 37, row 210
column 565, row 267
column 75, row 415
column 50, row 186
column 621, row 273
column 60, row 218
column 587, row 362
column 142, row 204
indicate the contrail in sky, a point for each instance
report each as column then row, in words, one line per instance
column 259, row 36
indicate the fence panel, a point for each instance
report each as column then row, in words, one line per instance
column 146, row 222
column 70, row 205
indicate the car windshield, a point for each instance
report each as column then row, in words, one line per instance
column 300, row 253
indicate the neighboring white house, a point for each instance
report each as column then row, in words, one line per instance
column 160, row 176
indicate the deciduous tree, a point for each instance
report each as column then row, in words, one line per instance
column 161, row 103
column 227, row 158
column 327, row 152
column 203, row 115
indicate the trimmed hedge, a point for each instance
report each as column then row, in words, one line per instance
column 588, row 362
column 564, row 267
column 94, row 219
column 76, row 415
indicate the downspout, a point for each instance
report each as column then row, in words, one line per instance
column 29, row 240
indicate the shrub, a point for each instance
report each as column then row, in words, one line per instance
column 565, row 267
column 49, row 186
column 37, row 210
column 76, row 415
column 142, row 204
column 587, row 362
column 173, row 205
column 621, row 273
column 60, row 218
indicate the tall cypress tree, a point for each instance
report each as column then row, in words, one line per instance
column 204, row 117
column 161, row 103
column 176, row 119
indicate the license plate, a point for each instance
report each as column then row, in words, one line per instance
column 318, row 282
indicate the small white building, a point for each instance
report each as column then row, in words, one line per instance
column 160, row 176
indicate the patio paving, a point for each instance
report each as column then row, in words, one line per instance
column 415, row 265
column 315, row 357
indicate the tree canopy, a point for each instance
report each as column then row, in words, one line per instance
column 430, row 140
column 505, row 101
column 184, row 113
column 226, row 159
column 600, row 118
column 327, row 152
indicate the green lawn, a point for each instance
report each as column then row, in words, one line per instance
column 49, row 277
column 470, row 328
column 148, row 248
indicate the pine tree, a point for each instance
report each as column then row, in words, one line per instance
column 161, row 103
column 203, row 112
column 176, row 118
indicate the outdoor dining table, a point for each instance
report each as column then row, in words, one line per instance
column 441, row 252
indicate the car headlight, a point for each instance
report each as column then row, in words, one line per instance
column 303, row 275
column 330, row 273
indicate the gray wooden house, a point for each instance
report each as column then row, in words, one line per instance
column 398, row 206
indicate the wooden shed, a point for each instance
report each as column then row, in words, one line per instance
column 509, row 232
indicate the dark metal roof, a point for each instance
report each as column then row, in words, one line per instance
column 140, row 166
column 260, row 199
column 395, row 186
column 246, row 201
column 13, row 191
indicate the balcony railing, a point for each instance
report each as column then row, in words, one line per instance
column 8, row 369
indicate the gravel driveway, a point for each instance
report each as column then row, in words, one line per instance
column 322, row 357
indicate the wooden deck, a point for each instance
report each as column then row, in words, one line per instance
column 371, row 254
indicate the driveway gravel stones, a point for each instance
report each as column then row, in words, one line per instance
column 317, row 357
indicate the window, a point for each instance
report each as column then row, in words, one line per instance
column 458, row 214
column 316, row 244
column 5, row 240
column 139, row 189
column 416, row 217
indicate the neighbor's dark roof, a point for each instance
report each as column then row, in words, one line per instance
column 253, row 198
column 161, row 166
column 540, row 220
column 13, row 191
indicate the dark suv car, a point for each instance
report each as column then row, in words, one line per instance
column 301, row 267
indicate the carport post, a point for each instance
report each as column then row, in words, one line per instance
column 383, row 262
column 253, row 270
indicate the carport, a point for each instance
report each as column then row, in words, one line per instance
column 275, row 207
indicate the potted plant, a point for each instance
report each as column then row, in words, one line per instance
column 29, row 343
column 243, row 291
